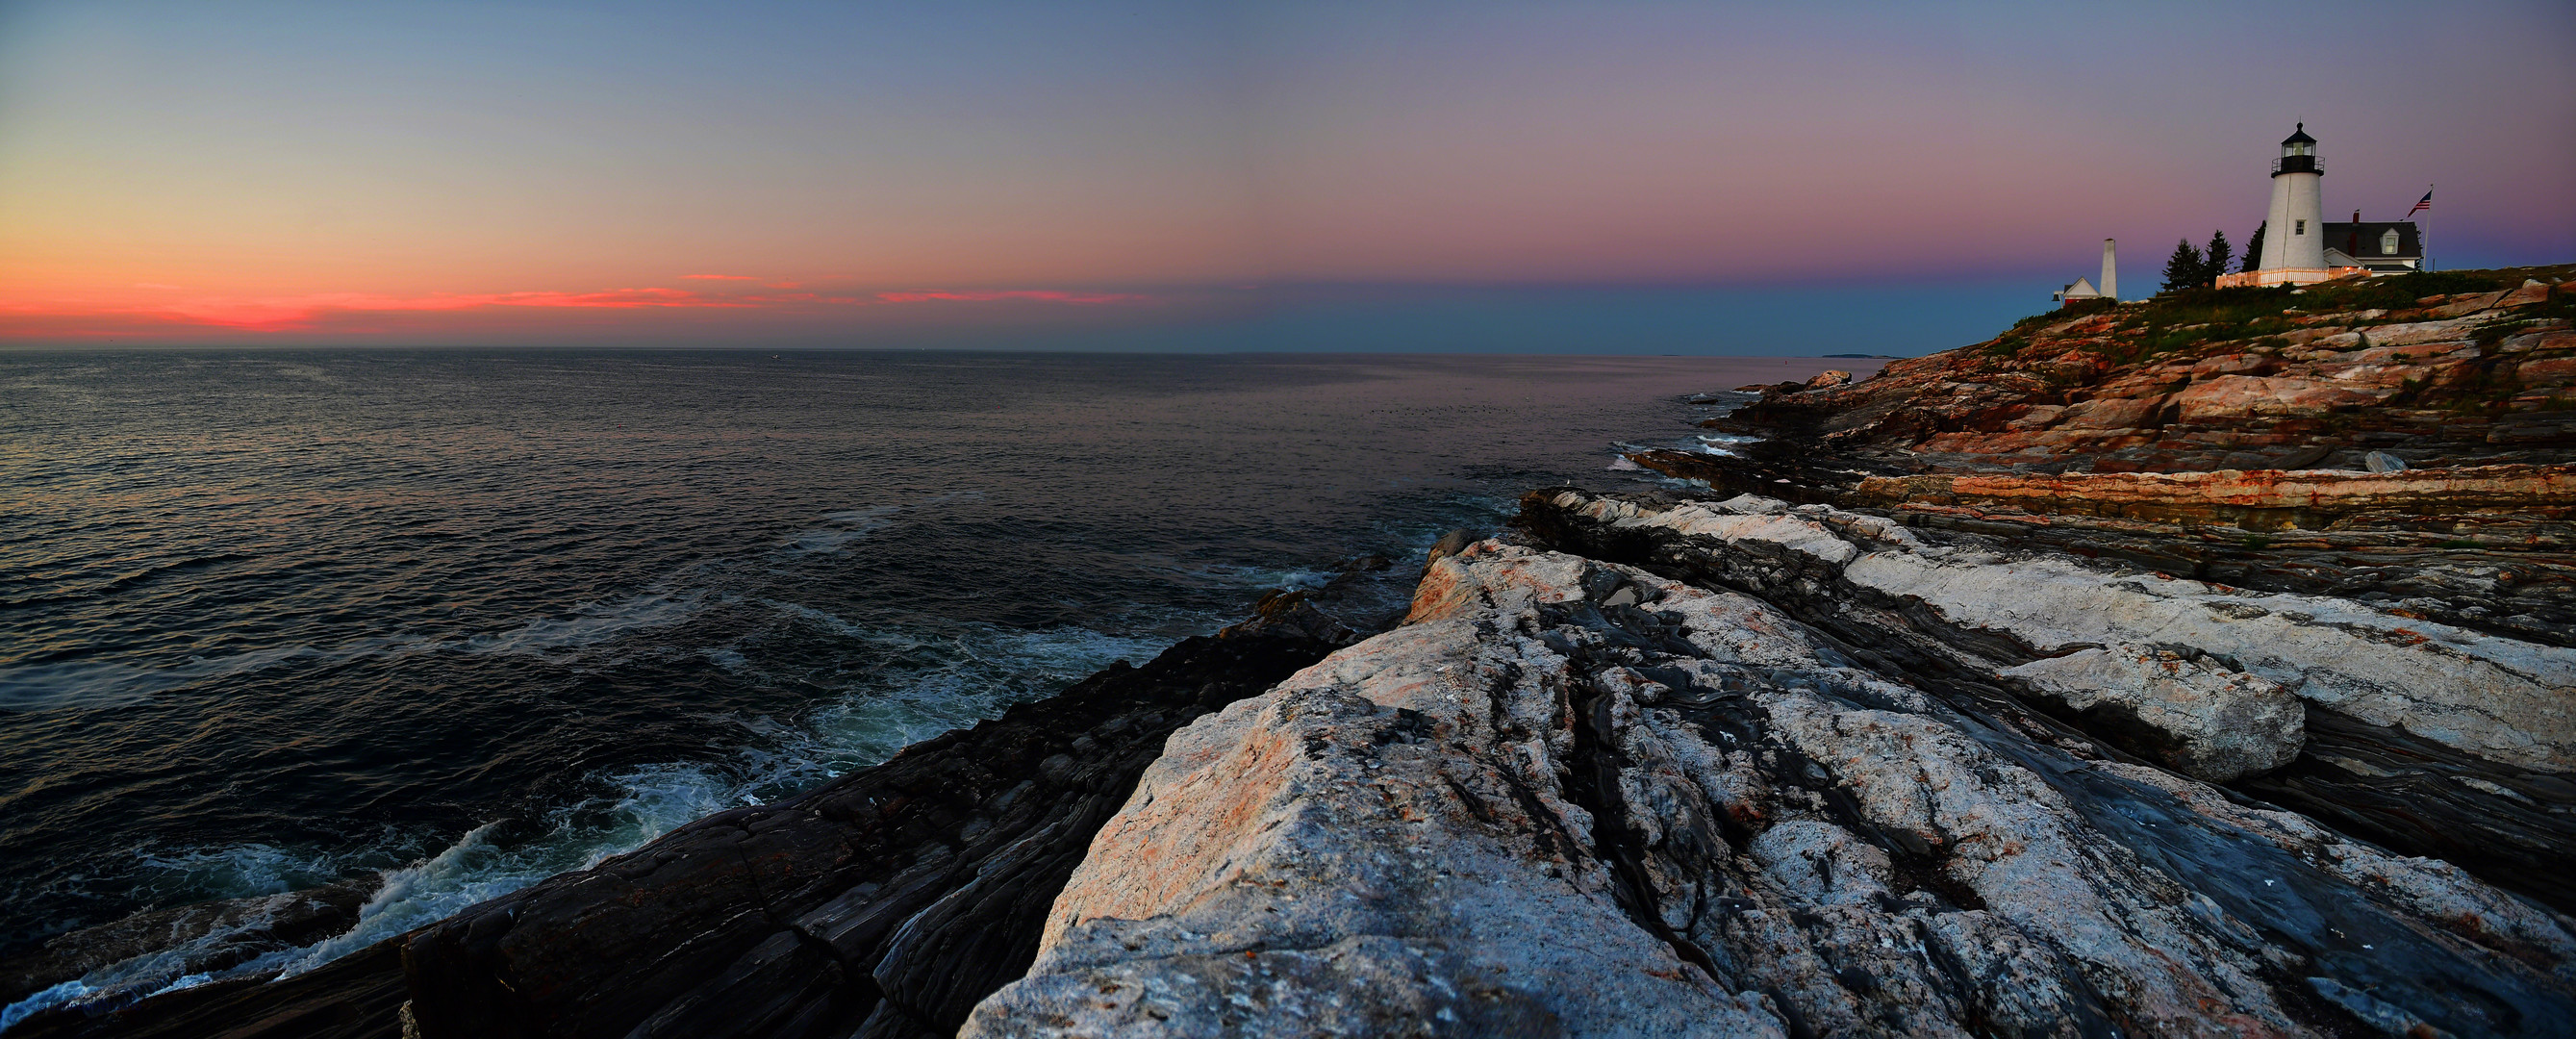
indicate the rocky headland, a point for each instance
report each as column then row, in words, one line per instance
column 2205, row 666
column 2367, row 440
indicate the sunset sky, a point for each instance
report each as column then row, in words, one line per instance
column 1611, row 177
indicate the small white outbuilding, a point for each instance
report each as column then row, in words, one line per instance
column 2083, row 289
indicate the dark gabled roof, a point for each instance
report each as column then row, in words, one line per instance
column 2299, row 137
column 2361, row 241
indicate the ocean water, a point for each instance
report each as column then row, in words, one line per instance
column 442, row 623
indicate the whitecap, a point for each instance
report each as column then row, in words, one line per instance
column 238, row 871
column 845, row 529
column 109, row 683
column 590, row 624
column 1723, row 443
column 66, row 994
column 850, row 526
column 963, row 678
column 101, row 683
column 969, row 676
column 1230, row 575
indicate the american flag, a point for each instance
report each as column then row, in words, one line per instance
column 2421, row 205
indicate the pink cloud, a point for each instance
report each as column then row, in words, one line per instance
column 1032, row 295
column 271, row 313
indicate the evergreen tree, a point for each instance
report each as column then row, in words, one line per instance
column 2182, row 269
column 2254, row 250
column 2214, row 262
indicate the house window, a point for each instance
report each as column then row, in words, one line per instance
column 2388, row 242
column 2299, row 228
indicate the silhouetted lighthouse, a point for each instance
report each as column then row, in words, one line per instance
column 2294, row 233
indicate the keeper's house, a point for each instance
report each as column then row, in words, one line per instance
column 2380, row 247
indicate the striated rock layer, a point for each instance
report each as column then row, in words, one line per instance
column 2409, row 441
column 1573, row 797
column 2490, row 548
column 2433, row 739
column 2259, row 500
column 2234, row 379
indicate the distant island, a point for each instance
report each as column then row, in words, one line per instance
column 2195, row 666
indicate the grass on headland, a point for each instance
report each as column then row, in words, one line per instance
column 2189, row 320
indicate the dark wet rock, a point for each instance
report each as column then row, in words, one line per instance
column 1448, row 545
column 885, row 903
column 358, row 996
column 197, row 939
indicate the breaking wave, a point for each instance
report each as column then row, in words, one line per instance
column 919, row 684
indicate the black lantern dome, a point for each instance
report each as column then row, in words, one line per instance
column 2298, row 153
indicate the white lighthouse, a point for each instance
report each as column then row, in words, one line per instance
column 2294, row 233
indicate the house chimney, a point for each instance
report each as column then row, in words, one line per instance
column 2110, row 273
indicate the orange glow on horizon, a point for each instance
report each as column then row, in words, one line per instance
column 288, row 313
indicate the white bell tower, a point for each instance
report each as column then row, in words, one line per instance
column 2294, row 233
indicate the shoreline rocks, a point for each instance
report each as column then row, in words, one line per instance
column 1728, row 822
column 2493, row 697
column 2471, row 733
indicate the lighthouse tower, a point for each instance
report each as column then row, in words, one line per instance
column 2294, row 234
